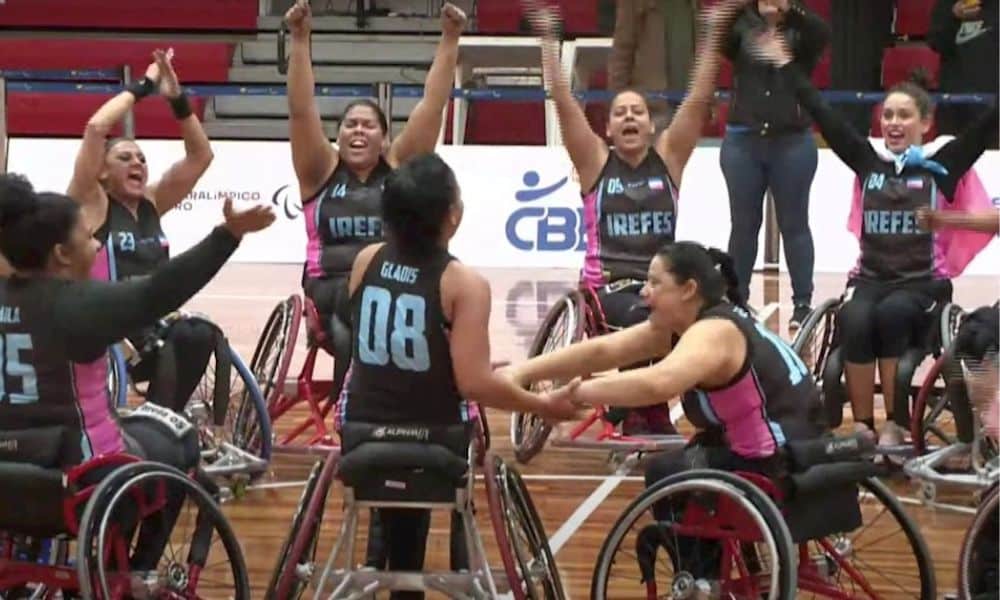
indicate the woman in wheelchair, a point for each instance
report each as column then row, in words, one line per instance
column 123, row 210
column 56, row 327
column 744, row 388
column 422, row 343
column 903, row 271
column 341, row 187
column 630, row 187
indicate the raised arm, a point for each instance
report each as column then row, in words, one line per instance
column 178, row 181
column 586, row 149
column 629, row 346
column 85, row 185
column 623, row 44
column 424, row 125
column 961, row 153
column 677, row 142
column 93, row 314
column 710, row 353
column 312, row 156
column 845, row 142
column 470, row 351
column 814, row 34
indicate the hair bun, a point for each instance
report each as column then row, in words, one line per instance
column 17, row 199
column 920, row 76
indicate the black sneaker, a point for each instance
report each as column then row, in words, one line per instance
column 799, row 315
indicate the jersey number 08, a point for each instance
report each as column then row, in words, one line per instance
column 406, row 343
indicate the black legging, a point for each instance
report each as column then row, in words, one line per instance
column 332, row 301
column 193, row 342
column 884, row 320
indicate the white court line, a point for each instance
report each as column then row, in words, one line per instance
column 583, row 512
column 255, row 297
column 580, row 478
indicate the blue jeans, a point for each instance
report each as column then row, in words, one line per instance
column 786, row 164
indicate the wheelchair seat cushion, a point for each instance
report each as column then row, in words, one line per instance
column 45, row 447
column 823, row 500
column 32, row 502
column 804, row 454
column 403, row 471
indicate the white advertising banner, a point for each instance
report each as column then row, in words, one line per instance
column 522, row 204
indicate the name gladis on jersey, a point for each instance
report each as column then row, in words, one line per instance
column 400, row 273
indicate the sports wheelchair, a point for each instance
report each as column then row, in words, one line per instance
column 417, row 467
column 227, row 407
column 734, row 534
column 978, row 564
column 818, row 344
column 99, row 505
column 573, row 318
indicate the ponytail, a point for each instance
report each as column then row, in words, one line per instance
column 728, row 271
column 712, row 268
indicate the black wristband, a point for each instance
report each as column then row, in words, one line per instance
column 141, row 88
column 180, row 106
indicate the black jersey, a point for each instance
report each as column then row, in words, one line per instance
column 629, row 214
column 132, row 246
column 54, row 336
column 401, row 370
column 771, row 400
column 341, row 219
column 893, row 248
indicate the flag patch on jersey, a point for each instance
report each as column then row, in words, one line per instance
column 915, row 183
column 655, row 183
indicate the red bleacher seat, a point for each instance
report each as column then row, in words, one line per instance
column 65, row 115
column 194, row 62
column 877, row 124
column 506, row 123
column 898, row 62
column 504, row 16
column 227, row 15
column 823, row 8
column 821, row 74
column 913, row 17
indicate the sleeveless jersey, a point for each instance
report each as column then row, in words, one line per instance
column 628, row 215
column 401, row 371
column 770, row 401
column 893, row 247
column 341, row 219
column 41, row 386
column 130, row 246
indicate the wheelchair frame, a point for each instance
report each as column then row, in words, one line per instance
column 238, row 463
column 480, row 581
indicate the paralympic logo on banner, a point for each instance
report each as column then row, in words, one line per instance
column 544, row 228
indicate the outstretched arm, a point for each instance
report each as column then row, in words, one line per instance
column 710, row 351
column 424, row 125
column 586, row 149
column 85, row 185
column 312, row 156
column 987, row 221
column 178, row 181
column 678, row 141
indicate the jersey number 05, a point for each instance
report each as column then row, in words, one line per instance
column 11, row 346
column 405, row 342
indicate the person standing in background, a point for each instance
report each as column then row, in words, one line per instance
column 653, row 49
column 964, row 33
column 861, row 31
column 769, row 144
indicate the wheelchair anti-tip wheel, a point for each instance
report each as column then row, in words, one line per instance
column 562, row 326
column 137, row 497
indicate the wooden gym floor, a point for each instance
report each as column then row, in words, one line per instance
column 574, row 490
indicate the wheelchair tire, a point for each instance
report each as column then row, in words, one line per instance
column 951, row 318
column 968, row 560
column 272, row 356
column 528, row 432
column 253, row 423
column 737, row 489
column 304, row 536
column 818, row 326
column 117, row 377
column 113, row 490
column 930, row 402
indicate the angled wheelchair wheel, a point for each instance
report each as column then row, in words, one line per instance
column 814, row 340
column 197, row 555
column 951, row 318
column 273, row 354
column 977, row 560
column 562, row 326
column 246, row 424
column 942, row 414
column 117, row 376
column 724, row 538
column 524, row 548
column 296, row 560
